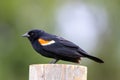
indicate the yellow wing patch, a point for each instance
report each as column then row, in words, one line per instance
column 45, row 42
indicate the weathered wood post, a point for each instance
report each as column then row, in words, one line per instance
column 57, row 72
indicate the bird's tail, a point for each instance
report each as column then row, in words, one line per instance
column 84, row 54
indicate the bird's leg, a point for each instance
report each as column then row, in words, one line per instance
column 54, row 61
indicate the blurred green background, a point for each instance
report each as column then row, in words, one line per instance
column 19, row 16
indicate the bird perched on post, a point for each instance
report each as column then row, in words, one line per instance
column 56, row 47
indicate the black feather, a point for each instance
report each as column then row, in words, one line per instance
column 62, row 49
column 85, row 54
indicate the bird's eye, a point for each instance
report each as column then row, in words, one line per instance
column 31, row 34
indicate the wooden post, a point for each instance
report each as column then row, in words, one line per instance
column 57, row 72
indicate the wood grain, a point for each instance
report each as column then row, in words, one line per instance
column 57, row 72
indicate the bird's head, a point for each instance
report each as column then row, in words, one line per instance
column 33, row 35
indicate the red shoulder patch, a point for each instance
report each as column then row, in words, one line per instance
column 45, row 42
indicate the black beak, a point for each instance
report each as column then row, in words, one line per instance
column 26, row 35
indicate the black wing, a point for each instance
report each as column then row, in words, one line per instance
column 62, row 47
column 67, row 43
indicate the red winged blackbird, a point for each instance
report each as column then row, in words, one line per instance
column 56, row 47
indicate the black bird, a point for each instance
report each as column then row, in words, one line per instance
column 56, row 47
